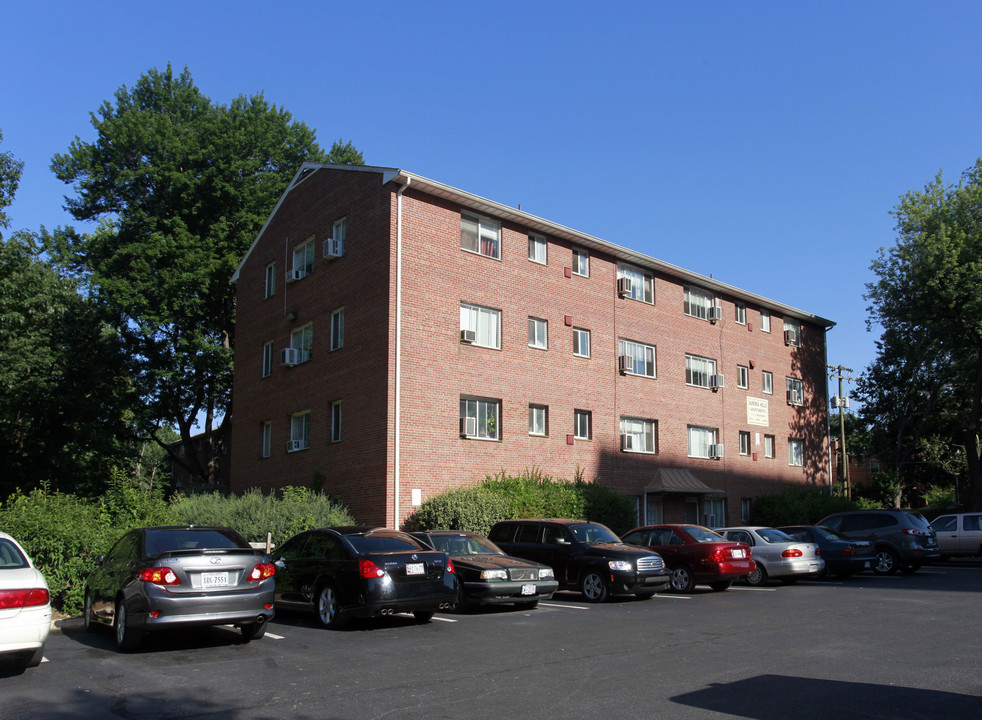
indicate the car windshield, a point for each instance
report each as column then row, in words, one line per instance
column 382, row 543
column 163, row 540
column 702, row 535
column 593, row 533
column 465, row 545
column 11, row 558
column 774, row 536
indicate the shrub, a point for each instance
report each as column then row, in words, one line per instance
column 603, row 505
column 798, row 505
column 474, row 509
column 533, row 494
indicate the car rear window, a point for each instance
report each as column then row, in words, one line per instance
column 702, row 535
column 169, row 540
column 774, row 536
column 919, row 521
column 382, row 543
column 11, row 558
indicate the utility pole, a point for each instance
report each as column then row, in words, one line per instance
column 842, row 401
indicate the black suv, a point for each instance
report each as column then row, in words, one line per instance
column 903, row 540
column 585, row 556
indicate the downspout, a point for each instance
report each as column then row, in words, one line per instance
column 398, row 390
column 828, row 427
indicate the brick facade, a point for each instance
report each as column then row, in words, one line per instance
column 433, row 370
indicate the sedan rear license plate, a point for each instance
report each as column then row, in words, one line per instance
column 415, row 569
column 219, row 579
column 739, row 553
column 528, row 589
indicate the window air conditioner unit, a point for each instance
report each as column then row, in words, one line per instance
column 624, row 286
column 715, row 313
column 292, row 445
column 716, row 451
column 468, row 336
column 794, row 398
column 468, row 427
column 716, row 381
column 625, row 363
column 292, row 356
column 333, row 248
column 627, row 442
column 790, row 337
column 295, row 274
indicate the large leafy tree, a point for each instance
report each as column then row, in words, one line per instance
column 181, row 186
column 10, row 171
column 925, row 385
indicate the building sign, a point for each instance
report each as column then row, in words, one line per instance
column 757, row 411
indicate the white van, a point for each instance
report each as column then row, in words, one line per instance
column 959, row 534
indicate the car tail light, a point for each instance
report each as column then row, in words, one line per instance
column 818, row 552
column 368, row 569
column 792, row 552
column 261, row 572
column 849, row 551
column 915, row 532
column 16, row 599
column 159, row 576
column 450, row 568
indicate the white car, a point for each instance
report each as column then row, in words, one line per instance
column 25, row 606
column 778, row 555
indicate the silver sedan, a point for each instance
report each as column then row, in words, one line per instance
column 777, row 554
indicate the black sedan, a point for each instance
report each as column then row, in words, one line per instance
column 486, row 575
column 843, row 556
column 345, row 572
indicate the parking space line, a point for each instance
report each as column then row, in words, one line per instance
column 443, row 619
column 274, row 636
column 752, row 589
column 569, row 607
column 674, row 597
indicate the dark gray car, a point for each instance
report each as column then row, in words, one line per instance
column 903, row 540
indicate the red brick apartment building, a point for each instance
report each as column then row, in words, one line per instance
column 397, row 337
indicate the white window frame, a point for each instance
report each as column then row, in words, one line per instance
column 302, row 339
column 538, row 420
column 740, row 313
column 795, row 326
column 581, row 342
column 642, row 283
column 303, row 257
column 699, row 370
column 474, row 230
column 796, row 452
column 767, row 382
column 769, row 446
column 744, row 442
column 300, row 430
column 486, row 413
column 266, row 439
column 340, row 231
column 538, row 333
column 581, row 262
column 697, row 302
column 582, row 424
column 645, row 357
column 268, row 354
column 484, row 322
column 699, row 440
column 643, row 433
column 538, row 249
column 743, row 377
column 337, row 329
column 796, row 391
column 765, row 321
column 270, row 280
column 336, row 421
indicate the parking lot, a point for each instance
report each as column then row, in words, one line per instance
column 870, row 647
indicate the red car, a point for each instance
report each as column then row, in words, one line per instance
column 695, row 555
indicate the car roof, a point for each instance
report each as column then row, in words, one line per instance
column 447, row 532
column 557, row 521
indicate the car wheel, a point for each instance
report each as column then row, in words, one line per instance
column 593, row 587
column 887, row 562
column 910, row 569
column 721, row 585
column 253, row 631
column 328, row 608
column 88, row 616
column 126, row 638
column 681, row 580
column 758, row 578
column 423, row 616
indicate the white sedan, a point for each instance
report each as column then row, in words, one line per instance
column 777, row 554
column 25, row 606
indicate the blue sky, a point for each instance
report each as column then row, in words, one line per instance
column 764, row 143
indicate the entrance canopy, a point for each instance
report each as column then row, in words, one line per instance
column 677, row 480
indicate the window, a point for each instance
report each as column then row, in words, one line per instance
column 271, row 279
column 537, row 249
column 538, row 420
column 796, row 392
column 303, row 261
column 745, row 505
column 301, row 339
column 581, row 342
column 485, row 323
column 744, row 442
column 700, row 438
column 337, row 329
column 768, row 446
column 581, row 424
column 697, row 302
column 642, row 283
column 340, row 236
column 743, row 377
column 268, row 359
column 299, row 431
column 767, row 382
column 480, row 235
column 266, row 431
column 538, row 337
column 479, row 418
column 581, row 262
column 698, row 370
column 796, row 452
column 765, row 321
column 715, row 512
column 336, row 421
column 639, row 435
column 792, row 332
column 642, row 357
column 740, row 313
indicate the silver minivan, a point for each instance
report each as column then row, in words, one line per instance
column 959, row 534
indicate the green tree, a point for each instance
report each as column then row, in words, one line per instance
column 181, row 186
column 10, row 171
column 927, row 378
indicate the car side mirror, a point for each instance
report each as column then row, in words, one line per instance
column 281, row 563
